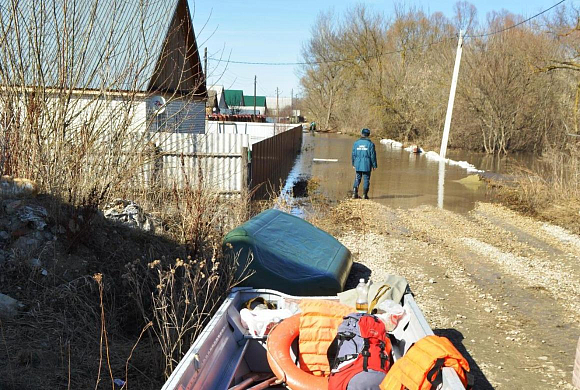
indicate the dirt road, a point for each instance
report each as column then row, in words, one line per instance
column 503, row 287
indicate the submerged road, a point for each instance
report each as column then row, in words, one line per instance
column 403, row 179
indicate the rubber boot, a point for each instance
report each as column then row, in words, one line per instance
column 355, row 193
column 366, row 194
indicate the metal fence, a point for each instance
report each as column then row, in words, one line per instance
column 272, row 160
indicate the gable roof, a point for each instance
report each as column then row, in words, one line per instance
column 102, row 45
column 234, row 97
column 260, row 101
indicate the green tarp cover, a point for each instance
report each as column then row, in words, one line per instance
column 290, row 255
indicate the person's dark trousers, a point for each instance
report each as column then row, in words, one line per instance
column 366, row 175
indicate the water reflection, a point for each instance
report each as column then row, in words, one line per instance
column 441, row 183
column 403, row 179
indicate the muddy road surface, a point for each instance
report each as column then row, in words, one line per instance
column 503, row 287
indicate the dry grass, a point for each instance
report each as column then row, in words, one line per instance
column 550, row 192
column 137, row 320
column 81, row 332
column 184, row 296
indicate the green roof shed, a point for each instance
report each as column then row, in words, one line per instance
column 260, row 101
column 234, row 97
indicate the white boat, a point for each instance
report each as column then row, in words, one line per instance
column 225, row 353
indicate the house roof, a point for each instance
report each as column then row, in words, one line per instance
column 260, row 101
column 234, row 97
column 102, row 45
column 219, row 91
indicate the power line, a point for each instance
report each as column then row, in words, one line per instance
column 386, row 53
column 517, row 24
column 340, row 59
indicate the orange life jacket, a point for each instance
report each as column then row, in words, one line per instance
column 319, row 322
column 420, row 368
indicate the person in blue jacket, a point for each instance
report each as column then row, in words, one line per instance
column 364, row 159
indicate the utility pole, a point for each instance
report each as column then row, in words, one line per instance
column 205, row 62
column 255, row 78
column 277, row 109
column 292, row 103
column 445, row 138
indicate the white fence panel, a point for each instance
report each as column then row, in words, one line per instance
column 256, row 131
column 213, row 159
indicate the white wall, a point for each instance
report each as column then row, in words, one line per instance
column 108, row 114
column 114, row 113
column 249, row 110
column 243, row 110
column 256, row 131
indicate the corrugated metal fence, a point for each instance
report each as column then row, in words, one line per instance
column 272, row 160
column 219, row 160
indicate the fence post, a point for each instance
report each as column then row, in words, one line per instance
column 245, row 169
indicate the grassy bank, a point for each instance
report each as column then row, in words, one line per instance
column 549, row 192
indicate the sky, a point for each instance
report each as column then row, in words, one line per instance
column 275, row 31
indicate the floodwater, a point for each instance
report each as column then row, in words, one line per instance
column 402, row 180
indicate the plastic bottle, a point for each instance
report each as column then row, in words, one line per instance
column 362, row 296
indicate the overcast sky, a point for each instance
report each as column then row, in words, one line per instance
column 274, row 31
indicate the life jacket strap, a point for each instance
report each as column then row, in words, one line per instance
column 435, row 375
column 470, row 380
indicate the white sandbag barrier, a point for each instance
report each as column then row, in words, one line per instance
column 431, row 155
column 392, row 143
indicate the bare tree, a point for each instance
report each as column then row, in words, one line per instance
column 323, row 70
column 394, row 76
column 74, row 85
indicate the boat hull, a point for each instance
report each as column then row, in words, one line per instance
column 225, row 353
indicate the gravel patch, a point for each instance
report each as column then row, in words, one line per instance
column 534, row 272
column 495, row 282
column 562, row 234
